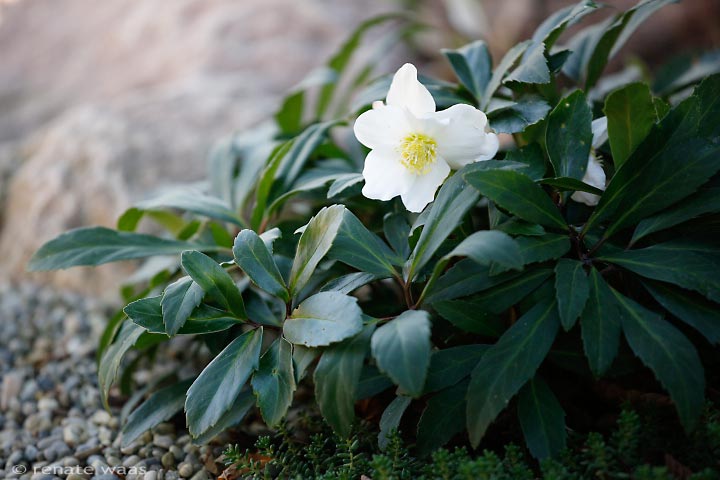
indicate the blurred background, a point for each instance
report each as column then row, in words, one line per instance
column 102, row 102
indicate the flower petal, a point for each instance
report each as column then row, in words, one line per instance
column 421, row 190
column 407, row 92
column 382, row 127
column 465, row 139
column 599, row 131
column 595, row 176
column 385, row 177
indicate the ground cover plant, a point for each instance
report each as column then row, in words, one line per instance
column 376, row 242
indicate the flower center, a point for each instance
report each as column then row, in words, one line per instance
column 418, row 152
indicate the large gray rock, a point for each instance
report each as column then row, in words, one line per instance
column 102, row 102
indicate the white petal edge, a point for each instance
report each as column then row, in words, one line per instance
column 599, row 131
column 422, row 188
column 465, row 139
column 594, row 176
column 407, row 92
column 385, row 177
column 382, row 127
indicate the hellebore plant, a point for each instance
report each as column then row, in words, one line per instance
column 530, row 276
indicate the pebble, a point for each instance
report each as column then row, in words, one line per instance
column 51, row 413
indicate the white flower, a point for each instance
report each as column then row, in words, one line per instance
column 594, row 175
column 413, row 147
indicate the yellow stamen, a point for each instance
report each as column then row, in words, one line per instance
column 418, row 152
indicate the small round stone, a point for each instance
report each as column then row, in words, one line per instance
column 186, row 469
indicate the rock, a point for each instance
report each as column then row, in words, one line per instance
column 201, row 475
column 151, row 475
column 149, row 88
column 168, row 460
column 101, row 417
column 186, row 469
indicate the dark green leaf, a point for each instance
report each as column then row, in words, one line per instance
column 669, row 354
column 343, row 182
column 453, row 200
column 147, row 313
column 538, row 248
column 336, row 380
column 314, row 243
column 533, row 67
column 600, row 322
column 356, row 246
column 372, row 382
column 501, row 297
column 468, row 316
column 401, row 348
column 98, row 245
column 542, row 419
column 507, row 365
column 653, row 177
column 571, row 290
column 616, row 35
column 706, row 200
column 450, row 365
column 231, row 418
column 322, row 319
column 292, row 163
column 692, row 309
column 630, row 115
column 688, row 265
column 302, row 359
column 274, row 382
column 499, row 73
column 159, row 407
column 253, row 256
column 128, row 334
column 348, row 283
column 266, row 182
column 551, row 28
column 390, row 419
column 532, row 156
column 472, row 65
column 465, row 278
column 569, row 136
column 397, row 230
column 518, row 194
column 214, row 280
column 178, row 302
column 443, row 418
column 528, row 110
column 192, row 201
column 565, row 184
column 217, row 387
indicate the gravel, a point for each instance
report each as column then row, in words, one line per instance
column 52, row 423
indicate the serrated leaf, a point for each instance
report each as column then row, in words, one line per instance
column 568, row 137
column 533, row 67
column 322, row 319
column 669, row 354
column 159, row 407
column 274, row 382
column 358, row 247
column 390, row 419
column 178, row 302
column 692, row 309
column 218, row 385
column 314, row 244
column 254, row 258
column 542, row 419
column 147, row 313
column 688, row 265
column 401, row 348
column 97, row 245
column 472, row 65
column 518, row 194
column 465, row 278
column 571, row 290
column 336, row 380
column 528, row 110
column 214, row 280
column 600, row 323
column 507, row 365
column 501, row 297
column 450, row 365
column 505, row 64
column 443, row 418
column 630, row 115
